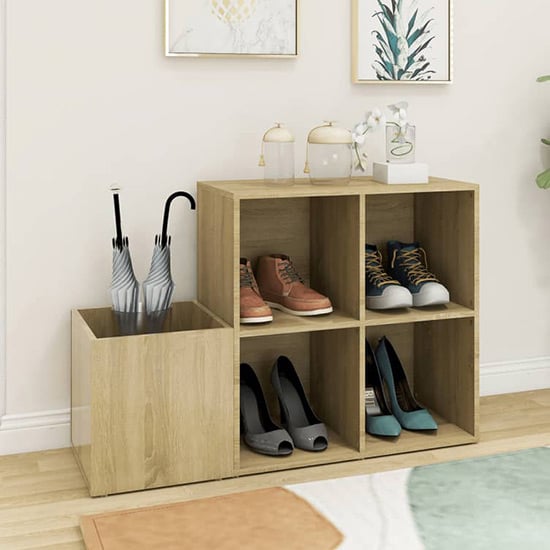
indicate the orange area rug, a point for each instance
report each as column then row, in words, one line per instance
column 268, row 519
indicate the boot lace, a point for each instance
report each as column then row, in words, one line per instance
column 415, row 264
column 288, row 272
column 375, row 272
column 246, row 278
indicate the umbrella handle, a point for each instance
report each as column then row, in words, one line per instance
column 117, row 221
column 189, row 197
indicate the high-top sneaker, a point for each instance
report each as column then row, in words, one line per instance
column 408, row 264
column 253, row 309
column 383, row 292
column 282, row 288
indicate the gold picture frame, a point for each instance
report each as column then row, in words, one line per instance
column 366, row 44
column 234, row 20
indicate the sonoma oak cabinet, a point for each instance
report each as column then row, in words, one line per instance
column 151, row 406
column 324, row 229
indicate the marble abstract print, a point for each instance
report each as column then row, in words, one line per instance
column 403, row 40
column 253, row 27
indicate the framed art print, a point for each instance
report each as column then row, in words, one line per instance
column 264, row 28
column 398, row 41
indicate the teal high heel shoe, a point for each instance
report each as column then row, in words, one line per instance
column 380, row 421
column 403, row 405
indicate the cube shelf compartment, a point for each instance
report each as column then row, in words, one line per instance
column 331, row 392
column 324, row 230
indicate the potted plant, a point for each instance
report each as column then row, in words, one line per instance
column 543, row 179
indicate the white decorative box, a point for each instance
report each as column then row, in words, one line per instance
column 387, row 172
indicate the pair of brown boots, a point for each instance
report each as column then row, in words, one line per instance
column 277, row 285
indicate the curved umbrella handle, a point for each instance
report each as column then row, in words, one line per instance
column 164, row 237
column 118, row 223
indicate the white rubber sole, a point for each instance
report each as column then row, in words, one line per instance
column 393, row 297
column 431, row 294
column 322, row 311
column 254, row 320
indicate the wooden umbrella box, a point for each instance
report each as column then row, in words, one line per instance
column 150, row 396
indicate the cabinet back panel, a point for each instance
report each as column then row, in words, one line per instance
column 276, row 226
column 262, row 352
column 402, row 339
column 389, row 217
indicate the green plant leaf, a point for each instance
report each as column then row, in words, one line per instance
column 420, row 48
column 383, row 73
column 411, row 23
column 545, row 141
column 420, row 70
column 392, row 41
column 543, row 179
column 387, row 13
column 543, row 78
column 418, row 33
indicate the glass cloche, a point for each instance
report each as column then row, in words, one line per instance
column 277, row 156
column 329, row 154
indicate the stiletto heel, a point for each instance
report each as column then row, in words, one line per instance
column 403, row 405
column 379, row 419
column 297, row 416
column 261, row 434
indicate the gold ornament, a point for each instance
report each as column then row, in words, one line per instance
column 233, row 11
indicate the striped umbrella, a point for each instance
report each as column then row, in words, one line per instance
column 124, row 285
column 158, row 288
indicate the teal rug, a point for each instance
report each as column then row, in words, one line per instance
column 499, row 502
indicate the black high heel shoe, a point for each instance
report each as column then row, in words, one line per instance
column 380, row 421
column 297, row 416
column 261, row 434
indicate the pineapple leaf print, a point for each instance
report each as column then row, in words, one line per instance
column 402, row 40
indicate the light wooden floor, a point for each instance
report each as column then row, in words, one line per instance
column 42, row 495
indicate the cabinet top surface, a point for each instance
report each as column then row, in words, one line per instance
column 258, row 189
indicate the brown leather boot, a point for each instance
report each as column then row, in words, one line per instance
column 282, row 288
column 253, row 309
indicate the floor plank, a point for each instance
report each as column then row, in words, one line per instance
column 42, row 495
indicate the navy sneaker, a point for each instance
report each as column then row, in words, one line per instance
column 383, row 292
column 408, row 264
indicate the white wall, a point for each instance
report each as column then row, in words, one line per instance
column 92, row 100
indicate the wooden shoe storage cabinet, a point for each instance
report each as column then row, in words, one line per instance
column 324, row 230
column 162, row 407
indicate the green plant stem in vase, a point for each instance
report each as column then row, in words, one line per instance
column 543, row 179
column 400, row 135
column 400, row 143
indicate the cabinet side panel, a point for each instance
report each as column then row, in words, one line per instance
column 446, row 226
column 446, row 378
column 117, row 416
column 336, row 255
column 81, row 363
column 336, row 381
column 217, row 254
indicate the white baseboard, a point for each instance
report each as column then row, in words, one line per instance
column 40, row 431
column 514, row 376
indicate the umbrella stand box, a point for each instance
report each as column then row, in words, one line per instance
column 151, row 398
